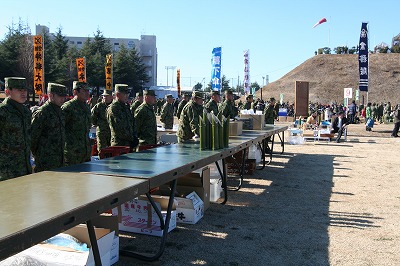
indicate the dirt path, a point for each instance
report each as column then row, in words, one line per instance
column 317, row 204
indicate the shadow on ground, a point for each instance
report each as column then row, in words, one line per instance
column 280, row 216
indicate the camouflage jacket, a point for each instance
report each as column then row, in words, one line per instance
column 48, row 137
column 120, row 120
column 189, row 121
column 134, row 106
column 167, row 116
column 77, row 125
column 269, row 114
column 99, row 119
column 212, row 106
column 248, row 106
column 180, row 108
column 146, row 124
column 15, row 139
column 227, row 109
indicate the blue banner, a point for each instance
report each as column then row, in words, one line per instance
column 363, row 58
column 216, row 69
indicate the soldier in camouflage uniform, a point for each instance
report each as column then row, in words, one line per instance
column 77, row 125
column 212, row 105
column 48, row 130
column 269, row 112
column 249, row 103
column 227, row 108
column 145, row 120
column 189, row 119
column 138, row 101
column 120, row 119
column 167, row 112
column 159, row 105
column 270, row 116
column 99, row 120
column 182, row 103
column 15, row 130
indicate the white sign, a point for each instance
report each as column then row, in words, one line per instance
column 348, row 93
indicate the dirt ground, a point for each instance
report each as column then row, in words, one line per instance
column 320, row 203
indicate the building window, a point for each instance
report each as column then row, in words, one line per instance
column 72, row 42
column 116, row 43
column 78, row 42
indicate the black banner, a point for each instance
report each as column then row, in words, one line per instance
column 363, row 58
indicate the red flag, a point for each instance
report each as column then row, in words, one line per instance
column 319, row 22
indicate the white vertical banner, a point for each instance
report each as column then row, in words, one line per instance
column 246, row 80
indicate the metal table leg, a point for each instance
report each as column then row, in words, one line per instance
column 282, row 139
column 262, row 146
column 93, row 242
column 156, row 256
column 223, row 179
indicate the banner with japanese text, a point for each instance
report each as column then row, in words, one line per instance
column 38, row 64
column 178, row 81
column 363, row 58
column 246, row 80
column 216, row 69
column 81, row 68
column 109, row 72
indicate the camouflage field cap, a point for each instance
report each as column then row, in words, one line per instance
column 215, row 93
column 122, row 88
column 198, row 94
column 80, row 85
column 57, row 89
column 139, row 94
column 107, row 93
column 15, row 83
column 249, row 96
column 169, row 96
column 229, row 92
column 149, row 92
column 272, row 99
column 186, row 94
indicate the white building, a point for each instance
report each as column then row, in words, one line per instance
column 146, row 47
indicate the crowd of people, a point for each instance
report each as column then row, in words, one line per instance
column 56, row 133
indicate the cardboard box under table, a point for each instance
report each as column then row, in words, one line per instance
column 106, row 230
column 189, row 210
column 258, row 120
column 138, row 216
column 197, row 181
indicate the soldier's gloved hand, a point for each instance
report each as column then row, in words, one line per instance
column 196, row 137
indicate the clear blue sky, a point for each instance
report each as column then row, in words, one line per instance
column 279, row 35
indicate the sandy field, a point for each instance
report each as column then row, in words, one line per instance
column 320, row 203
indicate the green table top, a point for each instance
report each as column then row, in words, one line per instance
column 167, row 163
column 38, row 206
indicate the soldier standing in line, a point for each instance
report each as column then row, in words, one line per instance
column 249, row 102
column 270, row 115
column 182, row 103
column 77, row 125
column 227, row 108
column 120, row 119
column 167, row 112
column 159, row 104
column 99, row 120
column 212, row 105
column 138, row 101
column 15, row 130
column 48, row 130
column 145, row 120
column 189, row 124
column 270, row 111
